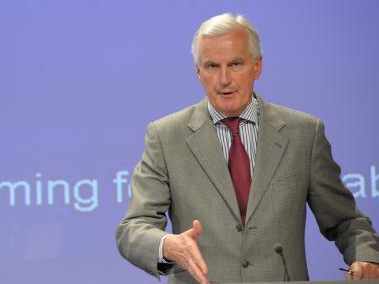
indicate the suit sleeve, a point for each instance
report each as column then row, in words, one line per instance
column 334, row 206
column 139, row 233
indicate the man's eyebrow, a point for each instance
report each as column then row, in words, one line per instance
column 207, row 62
column 239, row 59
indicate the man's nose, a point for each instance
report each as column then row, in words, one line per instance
column 224, row 77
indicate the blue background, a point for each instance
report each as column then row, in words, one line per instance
column 80, row 80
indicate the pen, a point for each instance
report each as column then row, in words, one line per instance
column 346, row 270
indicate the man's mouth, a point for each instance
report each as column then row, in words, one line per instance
column 226, row 93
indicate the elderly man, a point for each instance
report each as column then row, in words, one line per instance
column 235, row 173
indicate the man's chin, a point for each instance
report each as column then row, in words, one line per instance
column 230, row 111
column 227, row 106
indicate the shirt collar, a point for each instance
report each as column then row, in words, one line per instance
column 250, row 113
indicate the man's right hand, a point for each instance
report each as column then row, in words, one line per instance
column 184, row 251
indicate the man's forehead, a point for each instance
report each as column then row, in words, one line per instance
column 229, row 46
column 231, row 35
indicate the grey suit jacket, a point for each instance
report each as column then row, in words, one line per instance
column 183, row 172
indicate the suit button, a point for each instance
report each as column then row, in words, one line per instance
column 245, row 263
column 239, row 228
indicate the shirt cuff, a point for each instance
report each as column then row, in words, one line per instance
column 161, row 257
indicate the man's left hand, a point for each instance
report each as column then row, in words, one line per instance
column 363, row 270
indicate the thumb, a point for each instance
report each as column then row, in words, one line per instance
column 196, row 230
column 356, row 271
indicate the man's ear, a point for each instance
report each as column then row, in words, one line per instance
column 197, row 70
column 258, row 68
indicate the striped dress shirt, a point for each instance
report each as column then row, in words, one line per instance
column 248, row 130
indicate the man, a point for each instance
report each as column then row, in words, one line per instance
column 234, row 174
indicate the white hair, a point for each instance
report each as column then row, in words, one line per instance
column 222, row 24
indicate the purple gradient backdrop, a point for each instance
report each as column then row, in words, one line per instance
column 81, row 79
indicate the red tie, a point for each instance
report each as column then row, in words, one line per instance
column 239, row 165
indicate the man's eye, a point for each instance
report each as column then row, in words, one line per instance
column 211, row 66
column 236, row 66
column 236, row 63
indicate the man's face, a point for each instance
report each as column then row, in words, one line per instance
column 227, row 71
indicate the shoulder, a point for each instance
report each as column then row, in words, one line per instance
column 179, row 117
column 177, row 123
column 291, row 123
column 288, row 116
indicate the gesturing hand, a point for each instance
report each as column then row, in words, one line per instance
column 363, row 270
column 184, row 251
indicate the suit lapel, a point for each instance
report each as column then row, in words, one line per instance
column 206, row 147
column 270, row 149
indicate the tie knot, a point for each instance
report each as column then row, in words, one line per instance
column 233, row 124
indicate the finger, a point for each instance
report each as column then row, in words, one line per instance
column 194, row 251
column 375, row 272
column 371, row 271
column 356, row 271
column 196, row 230
column 349, row 275
column 198, row 258
column 196, row 272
